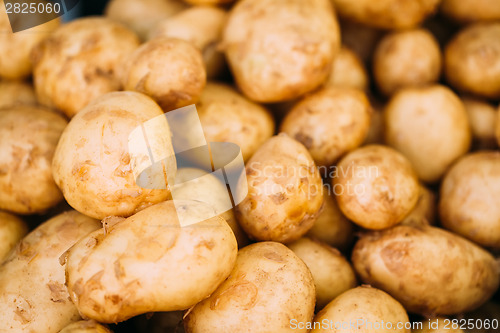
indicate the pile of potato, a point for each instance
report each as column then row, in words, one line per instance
column 370, row 134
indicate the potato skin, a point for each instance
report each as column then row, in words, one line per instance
column 12, row 230
column 465, row 11
column 14, row 93
column 33, row 297
column 482, row 118
column 424, row 212
column 268, row 286
column 162, row 267
column 284, row 192
column 429, row 270
column 348, row 71
column 274, row 62
column 85, row 326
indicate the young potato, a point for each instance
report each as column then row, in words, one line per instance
column 472, row 60
column 469, row 196
column 465, row 11
column 348, row 71
column 424, row 212
column 28, row 139
column 375, row 187
column 415, row 121
column 268, row 286
column 282, row 49
column 92, row 163
column 363, row 309
column 482, row 118
column 149, row 262
column 436, row 325
column 169, row 70
column 33, row 297
column 406, row 58
column 79, row 62
column 429, row 270
column 14, row 93
column 332, row 273
column 12, row 230
column 284, row 192
column 85, row 326
column 329, row 123
column 359, row 38
column 227, row 116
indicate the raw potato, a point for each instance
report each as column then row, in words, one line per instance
column 268, row 286
column 85, row 326
column 348, row 71
column 406, row 58
column 28, row 139
column 33, row 297
column 471, row 10
column 12, row 230
column 13, row 93
column 169, row 70
column 376, row 131
column 424, row 212
column 437, row 325
column 227, row 116
column 329, row 123
column 282, row 49
column 482, row 118
column 469, row 198
column 284, row 192
column 472, row 60
column 375, row 187
column 149, row 262
column 429, row 270
column 366, row 307
column 415, row 122
column 332, row 273
column 79, row 62
column 360, row 38
column 92, row 164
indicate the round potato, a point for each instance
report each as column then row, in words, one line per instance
column 415, row 120
column 13, row 93
column 348, row 71
column 284, row 192
column 375, row 187
column 329, row 123
column 436, row 325
column 429, row 270
column 12, row 230
column 28, row 139
column 79, row 62
column 268, row 286
column 465, row 11
column 482, row 118
column 424, row 212
column 85, row 326
column 282, row 49
column 149, row 262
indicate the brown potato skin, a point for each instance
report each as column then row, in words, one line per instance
column 482, row 118
column 12, row 230
column 429, row 270
column 348, row 71
column 425, row 211
column 465, row 11
column 361, row 39
column 13, row 93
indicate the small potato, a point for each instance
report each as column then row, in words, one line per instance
column 465, row 11
column 332, row 273
column 12, row 230
column 436, row 325
column 428, row 125
column 369, row 309
column 279, row 50
column 429, row 270
column 169, row 70
column 375, row 187
column 13, row 93
column 227, row 116
column 472, row 60
column 33, row 297
column 360, row 38
column 284, row 192
column 469, row 198
column 268, row 286
column 406, row 58
column 482, row 118
column 79, row 62
column 85, row 326
column 424, row 212
column 348, row 71
column 28, row 139
column 329, row 123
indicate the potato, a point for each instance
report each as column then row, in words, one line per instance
column 465, row 11
column 28, row 139
column 93, row 165
column 13, row 93
column 429, row 270
column 361, row 39
column 386, row 14
column 347, row 71
column 282, row 49
column 468, row 202
column 332, row 273
column 376, row 131
column 416, row 120
column 268, row 286
column 79, row 62
column 482, row 119
column 284, row 192
column 149, row 262
column 227, row 116
column 33, row 297
column 472, row 60
column 362, row 309
column 406, row 58
column 85, row 326
column 424, row 212
column 329, row 123
column 436, row 325
column 169, row 70
column 12, row 230
column 375, row 186
column 209, row 2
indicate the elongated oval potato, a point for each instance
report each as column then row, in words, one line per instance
column 348, row 71
column 362, row 309
column 281, row 49
column 85, row 326
column 465, row 11
column 149, row 262
column 429, row 270
column 33, row 297
column 482, row 118
column 425, row 211
column 268, row 286
column 284, row 192
column 13, row 93
column 436, row 325
column 12, row 230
